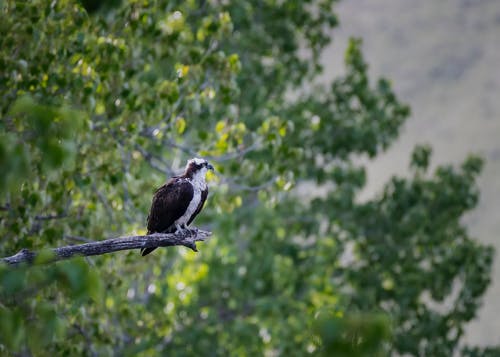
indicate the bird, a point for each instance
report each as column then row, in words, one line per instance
column 176, row 204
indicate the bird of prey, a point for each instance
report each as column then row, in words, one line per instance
column 178, row 202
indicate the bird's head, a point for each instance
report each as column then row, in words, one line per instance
column 197, row 168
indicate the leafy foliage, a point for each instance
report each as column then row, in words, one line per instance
column 99, row 107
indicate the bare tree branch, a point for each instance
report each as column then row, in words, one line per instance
column 153, row 161
column 239, row 153
column 187, row 238
column 183, row 148
column 235, row 154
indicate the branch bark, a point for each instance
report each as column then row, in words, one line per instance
column 187, row 238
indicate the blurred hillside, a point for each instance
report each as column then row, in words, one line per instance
column 442, row 57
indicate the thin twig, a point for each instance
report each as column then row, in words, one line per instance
column 240, row 187
column 181, row 147
column 50, row 217
column 104, row 201
column 88, row 340
column 150, row 158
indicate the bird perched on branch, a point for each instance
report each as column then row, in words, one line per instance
column 178, row 202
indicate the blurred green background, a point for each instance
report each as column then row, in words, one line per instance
column 441, row 57
column 101, row 103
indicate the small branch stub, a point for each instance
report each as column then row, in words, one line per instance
column 187, row 238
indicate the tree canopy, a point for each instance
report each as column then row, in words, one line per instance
column 101, row 103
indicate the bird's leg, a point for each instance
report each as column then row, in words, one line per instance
column 188, row 230
column 191, row 231
column 182, row 229
column 178, row 228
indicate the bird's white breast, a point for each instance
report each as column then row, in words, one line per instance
column 199, row 185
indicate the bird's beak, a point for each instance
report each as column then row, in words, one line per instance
column 210, row 167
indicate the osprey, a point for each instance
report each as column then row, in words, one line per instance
column 178, row 202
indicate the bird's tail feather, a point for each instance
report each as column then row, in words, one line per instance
column 146, row 251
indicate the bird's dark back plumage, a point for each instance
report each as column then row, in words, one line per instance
column 169, row 203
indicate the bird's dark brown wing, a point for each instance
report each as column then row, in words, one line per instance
column 170, row 202
column 204, row 195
